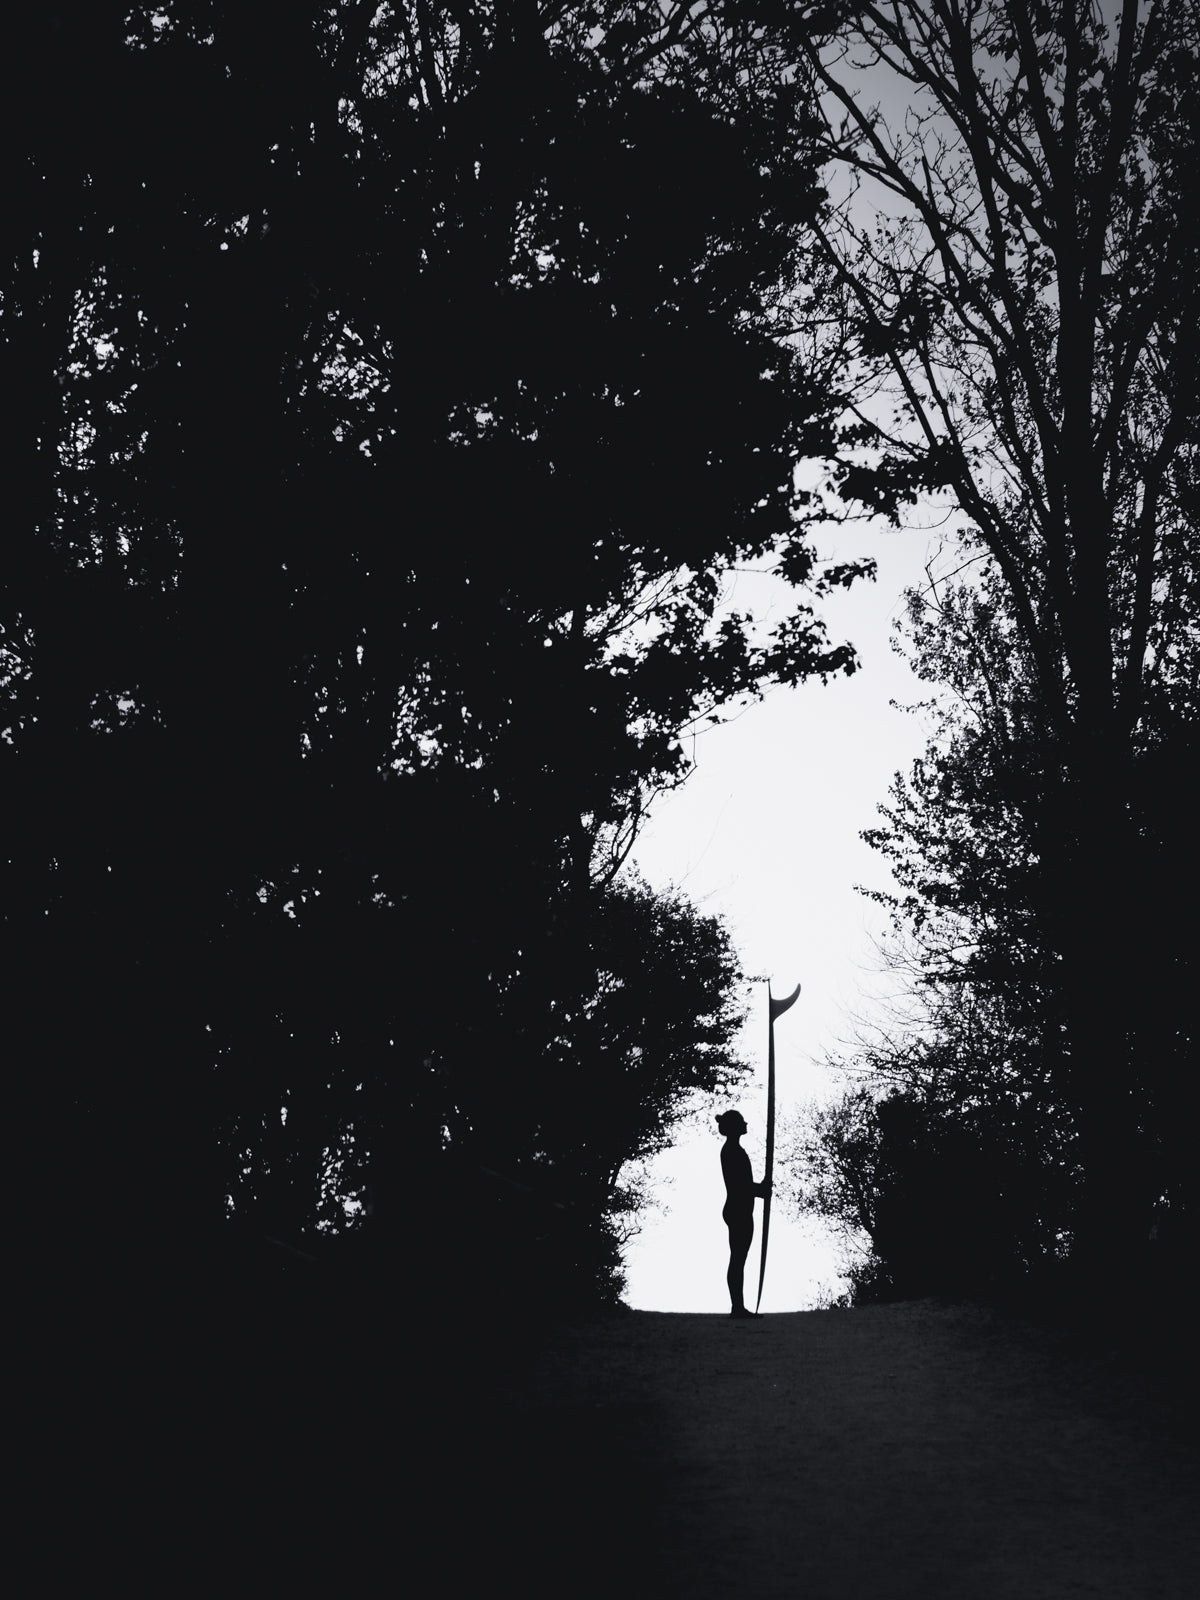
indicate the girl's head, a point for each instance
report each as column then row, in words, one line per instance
column 731, row 1123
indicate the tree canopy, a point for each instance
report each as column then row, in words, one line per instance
column 393, row 390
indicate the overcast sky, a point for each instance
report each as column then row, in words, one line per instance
column 765, row 834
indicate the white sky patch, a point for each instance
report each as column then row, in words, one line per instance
column 765, row 834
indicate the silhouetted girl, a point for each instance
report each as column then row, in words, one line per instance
column 740, row 1192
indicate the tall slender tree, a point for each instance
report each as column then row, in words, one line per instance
column 1010, row 267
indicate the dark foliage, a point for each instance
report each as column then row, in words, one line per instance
column 959, row 1156
column 1017, row 305
column 390, row 389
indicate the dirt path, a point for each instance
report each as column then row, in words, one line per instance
column 911, row 1450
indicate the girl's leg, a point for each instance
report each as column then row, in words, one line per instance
column 740, row 1238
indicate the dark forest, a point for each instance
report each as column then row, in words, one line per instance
column 391, row 390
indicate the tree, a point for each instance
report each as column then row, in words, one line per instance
column 958, row 1149
column 961, row 831
column 1010, row 268
column 950, row 1189
column 389, row 422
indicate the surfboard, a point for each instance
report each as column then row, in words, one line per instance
column 775, row 1008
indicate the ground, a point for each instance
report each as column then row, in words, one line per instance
column 915, row 1450
column 362, row 1449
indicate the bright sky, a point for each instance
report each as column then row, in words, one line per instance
column 765, row 834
